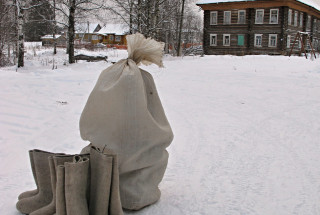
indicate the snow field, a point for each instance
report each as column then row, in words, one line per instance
column 247, row 130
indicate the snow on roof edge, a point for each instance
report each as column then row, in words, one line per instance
column 310, row 3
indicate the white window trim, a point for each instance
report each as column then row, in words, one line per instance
column 224, row 17
column 271, row 16
column 289, row 41
column 301, row 19
column 290, row 17
column 257, row 16
column 211, row 14
column 272, row 35
column 224, row 35
column 255, row 39
column 295, row 18
column 244, row 16
column 116, row 38
column 213, row 35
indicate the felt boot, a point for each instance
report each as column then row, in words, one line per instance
column 31, row 192
column 76, row 183
column 115, row 207
column 44, row 195
column 53, row 162
column 60, row 192
column 101, row 173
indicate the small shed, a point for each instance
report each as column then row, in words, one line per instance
column 48, row 40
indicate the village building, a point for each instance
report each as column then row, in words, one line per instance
column 241, row 27
column 86, row 32
column 48, row 40
column 113, row 34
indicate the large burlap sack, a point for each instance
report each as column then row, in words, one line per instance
column 124, row 113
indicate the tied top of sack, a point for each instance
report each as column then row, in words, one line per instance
column 145, row 51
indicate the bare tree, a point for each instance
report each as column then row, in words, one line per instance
column 72, row 10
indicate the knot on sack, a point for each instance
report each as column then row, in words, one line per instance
column 144, row 50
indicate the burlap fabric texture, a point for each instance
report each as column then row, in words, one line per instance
column 124, row 111
column 69, row 184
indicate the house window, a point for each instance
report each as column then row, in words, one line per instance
column 240, row 40
column 272, row 40
column 213, row 39
column 226, row 39
column 295, row 21
column 259, row 16
column 241, row 17
column 111, row 37
column 301, row 19
column 258, row 40
column 309, row 22
column 314, row 25
column 94, row 37
column 290, row 17
column 299, row 44
column 288, row 41
column 227, row 17
column 118, row 38
column 213, row 17
column 274, row 13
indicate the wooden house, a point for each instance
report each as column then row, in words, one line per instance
column 113, row 34
column 241, row 27
column 87, row 33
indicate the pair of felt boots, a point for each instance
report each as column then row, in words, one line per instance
column 86, row 184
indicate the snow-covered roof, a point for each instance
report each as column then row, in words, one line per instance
column 312, row 3
column 117, row 29
column 83, row 27
column 50, row 36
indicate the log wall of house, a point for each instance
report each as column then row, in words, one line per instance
column 249, row 29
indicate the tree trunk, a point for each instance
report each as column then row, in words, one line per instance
column 20, row 34
column 180, row 30
column 72, row 8
column 54, row 28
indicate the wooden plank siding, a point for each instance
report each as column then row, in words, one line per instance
column 250, row 28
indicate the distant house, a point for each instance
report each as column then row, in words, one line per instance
column 114, row 34
column 48, row 40
column 86, row 32
column 258, row 26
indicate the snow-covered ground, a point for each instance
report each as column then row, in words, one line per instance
column 247, row 129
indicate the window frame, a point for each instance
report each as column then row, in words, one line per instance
column 244, row 18
column 288, row 41
column 295, row 19
column 213, row 35
column 224, row 36
column 115, row 38
column 256, row 20
column 211, row 17
column 301, row 20
column 276, row 41
column 290, row 17
column 111, row 37
column 255, row 40
column 224, row 17
column 270, row 20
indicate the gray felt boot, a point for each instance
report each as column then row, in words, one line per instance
column 76, row 184
column 101, row 173
column 44, row 196
column 31, row 192
column 53, row 163
column 115, row 207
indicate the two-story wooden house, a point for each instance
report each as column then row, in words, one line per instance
column 241, row 27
